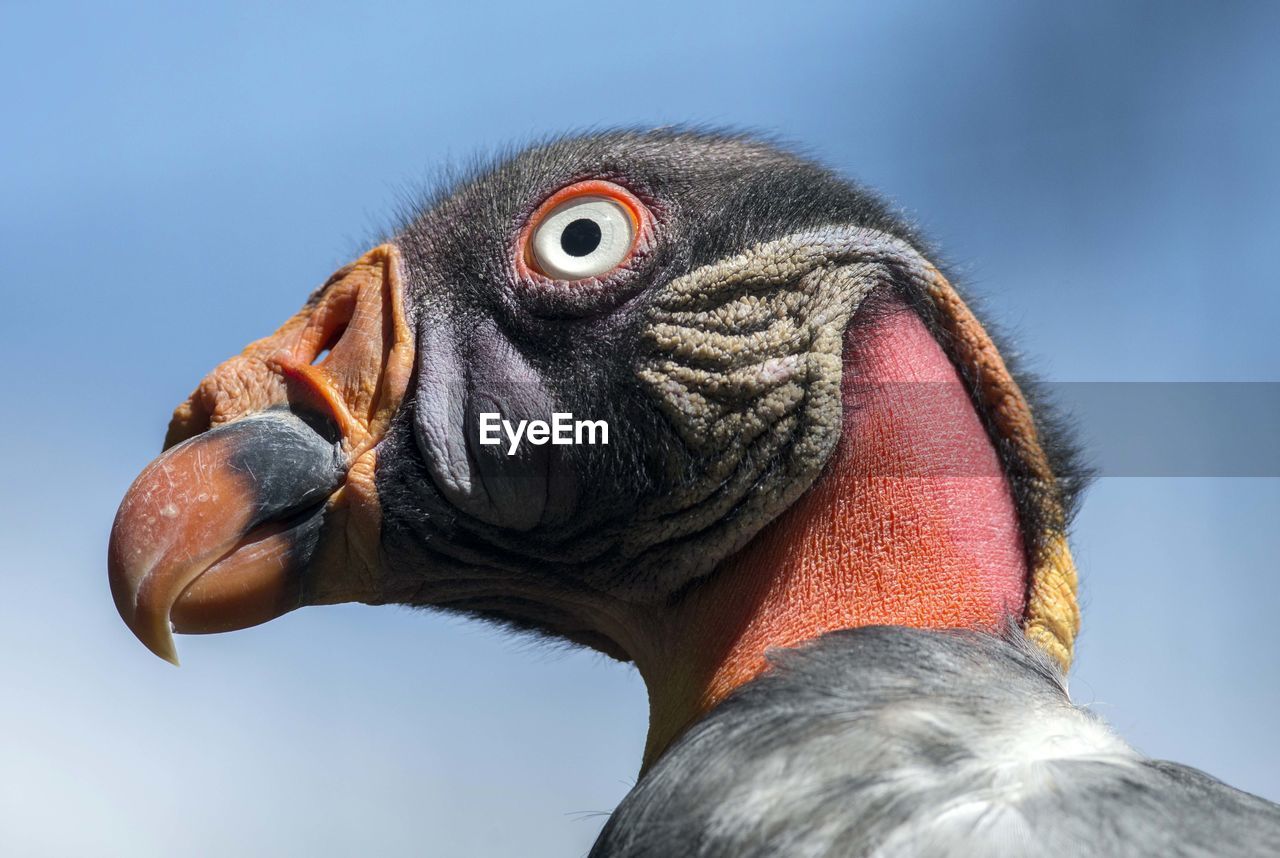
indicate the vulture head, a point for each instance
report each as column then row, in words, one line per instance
column 678, row 397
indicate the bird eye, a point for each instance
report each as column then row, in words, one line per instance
column 585, row 230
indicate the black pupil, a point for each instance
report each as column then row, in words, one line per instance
column 580, row 237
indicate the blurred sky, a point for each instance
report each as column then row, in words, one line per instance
column 175, row 178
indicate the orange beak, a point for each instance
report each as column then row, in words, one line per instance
column 265, row 499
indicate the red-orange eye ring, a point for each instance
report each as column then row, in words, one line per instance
column 582, row 232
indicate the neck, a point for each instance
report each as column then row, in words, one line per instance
column 911, row 523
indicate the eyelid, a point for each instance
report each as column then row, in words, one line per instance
column 641, row 220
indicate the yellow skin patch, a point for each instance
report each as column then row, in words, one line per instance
column 1052, row 618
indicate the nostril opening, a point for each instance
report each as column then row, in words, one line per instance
column 330, row 341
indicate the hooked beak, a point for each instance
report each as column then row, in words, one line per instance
column 265, row 499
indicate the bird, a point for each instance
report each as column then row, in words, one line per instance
column 695, row 401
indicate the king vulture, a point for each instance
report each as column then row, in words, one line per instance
column 750, row 439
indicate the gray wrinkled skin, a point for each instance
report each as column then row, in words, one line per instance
column 893, row 742
column 744, row 359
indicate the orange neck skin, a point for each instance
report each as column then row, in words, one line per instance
column 912, row 523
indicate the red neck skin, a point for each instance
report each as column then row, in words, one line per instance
column 912, row 523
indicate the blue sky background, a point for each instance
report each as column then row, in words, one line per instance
column 175, row 178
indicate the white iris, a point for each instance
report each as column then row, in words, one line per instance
column 583, row 237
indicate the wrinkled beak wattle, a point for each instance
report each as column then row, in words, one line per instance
column 268, row 475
